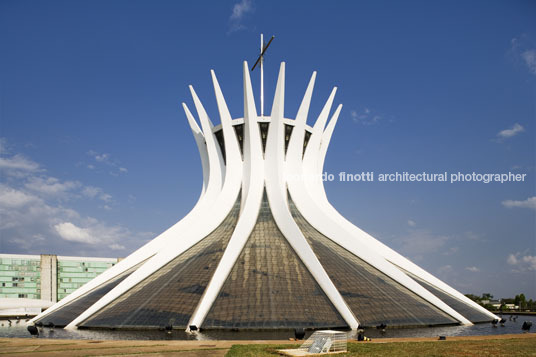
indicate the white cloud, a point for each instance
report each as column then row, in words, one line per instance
column 25, row 214
column 411, row 223
column 18, row 165
column 95, row 233
column 522, row 261
column 365, row 116
column 238, row 14
column 102, row 158
column 106, row 160
column 90, row 191
column 71, row 232
column 444, row 271
column 3, row 146
column 472, row 269
column 51, row 186
column 448, row 273
column 96, row 192
column 116, row 247
column 531, row 261
column 26, row 218
column 240, row 9
column 530, row 60
column 508, row 133
column 11, row 198
column 105, row 197
column 523, row 49
column 528, row 203
column 420, row 242
column 33, row 221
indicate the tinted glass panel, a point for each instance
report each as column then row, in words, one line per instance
column 64, row 315
column 269, row 287
column 263, row 129
column 373, row 297
column 288, row 133
column 465, row 310
column 221, row 142
column 169, row 296
column 306, row 140
column 239, row 131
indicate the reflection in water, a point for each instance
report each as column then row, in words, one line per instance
column 19, row 330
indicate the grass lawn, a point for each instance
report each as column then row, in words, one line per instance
column 499, row 347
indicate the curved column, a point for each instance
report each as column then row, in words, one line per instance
column 310, row 156
column 215, row 163
column 295, row 145
column 208, row 218
column 276, row 191
column 326, row 224
column 233, row 167
column 374, row 244
column 200, row 141
column 398, row 260
column 324, row 144
column 252, row 189
column 152, row 247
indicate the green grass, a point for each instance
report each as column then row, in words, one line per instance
column 508, row 347
column 257, row 350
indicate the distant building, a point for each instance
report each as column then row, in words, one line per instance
column 495, row 303
column 47, row 277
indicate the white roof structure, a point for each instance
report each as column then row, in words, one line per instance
column 263, row 248
column 22, row 307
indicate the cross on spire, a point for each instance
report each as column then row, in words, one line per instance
column 261, row 60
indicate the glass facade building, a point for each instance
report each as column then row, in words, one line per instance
column 22, row 276
column 73, row 272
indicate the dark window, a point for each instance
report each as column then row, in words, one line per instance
column 306, row 140
column 239, row 130
column 264, row 134
column 221, row 142
column 288, row 133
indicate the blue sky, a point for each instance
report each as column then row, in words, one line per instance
column 97, row 156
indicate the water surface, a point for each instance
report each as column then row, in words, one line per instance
column 18, row 329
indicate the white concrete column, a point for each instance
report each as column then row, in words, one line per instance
column 49, row 277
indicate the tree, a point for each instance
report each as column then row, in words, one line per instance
column 487, row 296
column 531, row 305
column 520, row 301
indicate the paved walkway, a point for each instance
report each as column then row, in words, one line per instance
column 55, row 347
